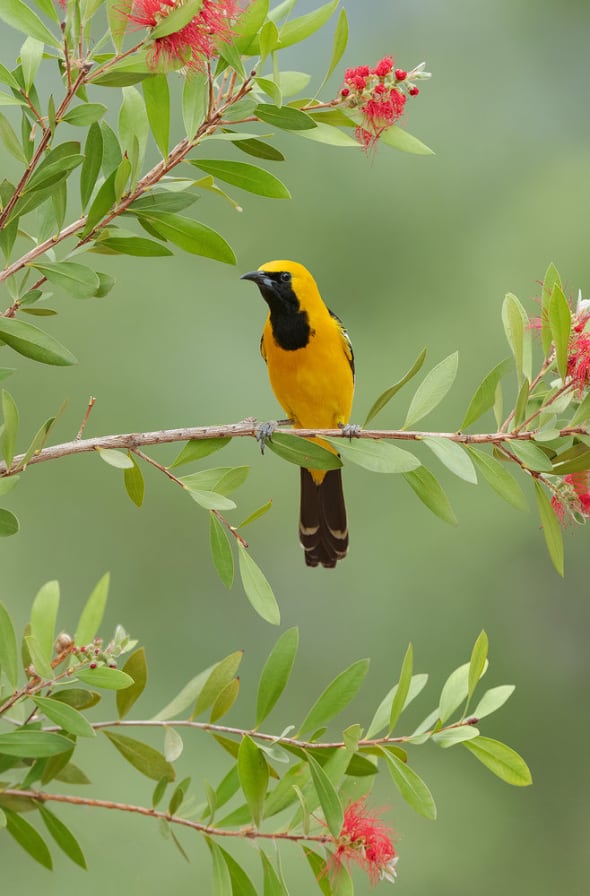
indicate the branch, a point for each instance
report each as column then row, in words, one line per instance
column 249, row 833
column 249, row 427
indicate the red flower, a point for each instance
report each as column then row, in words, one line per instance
column 578, row 362
column 379, row 95
column 196, row 41
column 573, row 498
column 364, row 839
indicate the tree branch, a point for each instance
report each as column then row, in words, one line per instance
column 249, row 833
column 248, row 427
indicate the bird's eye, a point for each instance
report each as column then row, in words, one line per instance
column 285, row 276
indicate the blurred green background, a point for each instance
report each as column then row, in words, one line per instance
column 409, row 251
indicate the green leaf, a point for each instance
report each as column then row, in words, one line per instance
column 550, row 279
column 498, row 477
column 551, row 528
column 221, row 877
column 493, row 700
column 532, row 456
column 186, row 697
column 82, row 116
column 386, row 396
column 276, row 673
column 7, row 135
column 477, row 663
column 7, row 483
column 455, row 690
column 93, row 153
column 104, row 677
column 173, row 748
column 259, row 150
column 522, row 402
column 257, row 588
column 18, row 15
column 190, row 235
column 336, row 696
column 225, row 700
column 303, row 452
column 303, row 27
column 177, row 19
column 432, row 389
column 253, row 772
column 196, row 449
column 63, row 836
column 117, row 11
column 136, row 667
column 381, row 718
column 403, row 688
column 39, row 660
column 194, row 98
column 453, row 456
column 10, row 428
column 453, row 736
column 31, row 55
column 240, row 882
column 133, row 125
column 76, row 279
column 65, row 716
column 399, row 139
column 285, row 117
column 339, row 44
column 9, row 524
column 515, row 321
column 329, row 801
column 38, row 441
column 411, row 786
column 256, row 514
column 79, row 698
column 8, row 648
column 221, row 551
column 485, row 394
column 377, row 455
column 134, row 482
column 7, row 77
column 157, row 103
column 248, row 177
column 142, row 757
column 502, row 760
column 272, row 885
column 132, row 245
column 93, row 611
column 329, row 135
column 320, row 870
column 560, row 321
column 431, row 493
column 218, row 678
column 29, row 743
column 210, row 500
column 26, row 835
column 103, row 201
column 115, row 458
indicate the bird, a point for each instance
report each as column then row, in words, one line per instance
column 310, row 364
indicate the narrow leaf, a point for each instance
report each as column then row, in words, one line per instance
column 247, row 177
column 219, row 677
column 477, row 663
column 411, row 786
column 32, row 342
column 551, row 528
column 18, row 15
column 502, row 760
column 29, row 743
column 253, row 772
column 560, row 321
column 136, row 667
column 104, row 677
column 27, row 837
column 10, row 428
column 196, row 449
column 276, row 673
column 431, row 391
column 485, row 394
column 453, row 456
column 336, row 696
column 142, row 757
column 157, row 102
column 499, row 478
column 386, row 396
column 257, row 588
column 65, row 716
column 9, row 524
column 382, row 715
column 303, row 452
column 63, row 836
column 285, row 117
column 8, row 648
column 221, row 550
column 134, row 482
column 403, row 687
column 431, row 493
column 76, row 279
column 493, row 700
column 93, row 612
column 326, row 792
column 377, row 455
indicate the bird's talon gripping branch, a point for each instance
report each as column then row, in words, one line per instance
column 264, row 433
column 350, row 431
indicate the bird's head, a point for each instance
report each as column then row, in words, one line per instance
column 284, row 285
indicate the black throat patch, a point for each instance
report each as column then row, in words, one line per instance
column 291, row 331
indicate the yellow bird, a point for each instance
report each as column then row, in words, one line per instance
column 311, row 370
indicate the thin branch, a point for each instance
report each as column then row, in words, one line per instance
column 91, row 403
column 248, row 833
column 260, row 735
column 133, row 441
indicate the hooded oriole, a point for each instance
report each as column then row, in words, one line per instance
column 311, row 370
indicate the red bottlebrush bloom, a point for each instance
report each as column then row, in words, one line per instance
column 196, row 41
column 573, row 498
column 578, row 362
column 364, row 839
column 378, row 96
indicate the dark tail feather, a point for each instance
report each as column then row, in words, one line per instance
column 322, row 521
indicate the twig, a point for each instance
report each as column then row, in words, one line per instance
column 91, row 403
column 133, row 441
column 248, row 833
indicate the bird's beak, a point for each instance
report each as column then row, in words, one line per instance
column 257, row 277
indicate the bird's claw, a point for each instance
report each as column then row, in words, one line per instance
column 350, row 430
column 264, row 433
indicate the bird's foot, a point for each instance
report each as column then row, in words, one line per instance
column 264, row 431
column 350, row 430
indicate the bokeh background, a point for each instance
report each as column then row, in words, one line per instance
column 410, row 251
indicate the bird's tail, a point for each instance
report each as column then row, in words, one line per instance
column 323, row 531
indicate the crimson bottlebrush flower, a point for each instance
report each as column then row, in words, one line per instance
column 573, row 498
column 366, row 840
column 196, row 41
column 379, row 96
